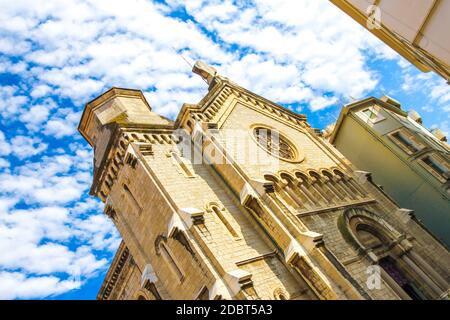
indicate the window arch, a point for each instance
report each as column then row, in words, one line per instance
column 164, row 251
column 280, row 294
column 203, row 294
column 218, row 212
column 134, row 202
column 180, row 162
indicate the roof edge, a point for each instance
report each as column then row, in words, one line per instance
column 103, row 98
column 356, row 104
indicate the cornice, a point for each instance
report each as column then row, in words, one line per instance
column 359, row 104
column 109, row 283
column 220, row 89
column 107, row 172
column 87, row 115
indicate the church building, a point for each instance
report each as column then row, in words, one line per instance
column 239, row 198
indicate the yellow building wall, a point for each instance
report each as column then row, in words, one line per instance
column 408, row 188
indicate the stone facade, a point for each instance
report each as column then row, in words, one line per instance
column 307, row 226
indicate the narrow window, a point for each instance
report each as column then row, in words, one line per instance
column 181, row 164
column 171, row 261
column 203, row 294
column 137, row 207
column 225, row 222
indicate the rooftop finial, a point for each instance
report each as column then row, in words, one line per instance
column 205, row 71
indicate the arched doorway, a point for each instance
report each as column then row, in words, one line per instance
column 374, row 240
column 393, row 253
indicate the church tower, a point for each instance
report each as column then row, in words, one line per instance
column 239, row 198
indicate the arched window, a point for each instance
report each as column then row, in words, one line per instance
column 161, row 249
column 203, row 294
column 225, row 222
column 280, row 294
column 135, row 204
column 171, row 261
column 182, row 165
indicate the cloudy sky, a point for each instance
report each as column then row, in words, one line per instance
column 57, row 55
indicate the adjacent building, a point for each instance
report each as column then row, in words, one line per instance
column 416, row 29
column 292, row 219
column 411, row 163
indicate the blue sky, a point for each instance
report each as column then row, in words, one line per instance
column 55, row 243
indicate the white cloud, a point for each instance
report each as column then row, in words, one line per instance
column 322, row 102
column 23, row 147
column 309, row 62
column 9, row 46
column 54, row 180
column 98, row 231
column 4, row 163
column 7, row 66
column 64, row 123
column 17, row 285
column 5, row 147
column 11, row 100
column 40, row 91
column 54, row 238
column 434, row 88
column 129, row 50
column 441, row 93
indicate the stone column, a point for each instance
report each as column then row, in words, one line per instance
column 436, row 277
column 422, row 275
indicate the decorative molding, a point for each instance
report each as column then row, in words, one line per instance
column 114, row 274
column 146, row 149
column 130, row 157
column 148, row 281
column 175, row 225
column 247, row 193
column 262, row 186
column 363, row 176
column 158, row 240
column 192, row 216
column 237, row 280
column 148, row 275
column 257, row 258
column 311, row 240
column 293, row 251
column 177, row 230
column 211, row 108
column 336, row 207
column 406, row 215
column 219, row 291
column 109, row 210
